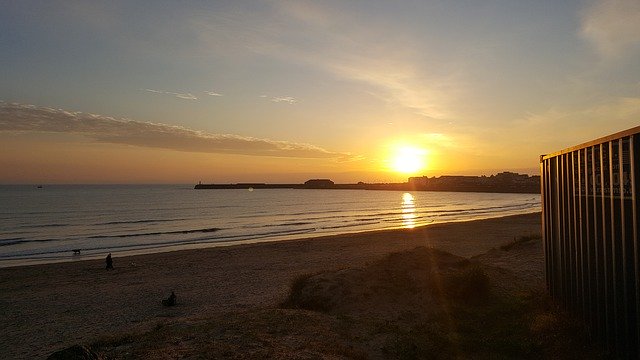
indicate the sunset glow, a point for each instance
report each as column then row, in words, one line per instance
column 408, row 160
column 281, row 91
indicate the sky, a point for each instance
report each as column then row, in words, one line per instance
column 285, row 91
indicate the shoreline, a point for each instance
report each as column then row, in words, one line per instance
column 72, row 257
column 48, row 307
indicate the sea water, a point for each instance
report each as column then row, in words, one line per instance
column 47, row 224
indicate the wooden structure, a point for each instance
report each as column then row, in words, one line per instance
column 590, row 220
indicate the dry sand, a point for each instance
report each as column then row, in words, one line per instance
column 45, row 308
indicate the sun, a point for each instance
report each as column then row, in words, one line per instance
column 408, row 159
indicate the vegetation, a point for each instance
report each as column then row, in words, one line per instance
column 470, row 285
column 297, row 300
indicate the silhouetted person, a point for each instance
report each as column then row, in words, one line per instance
column 109, row 261
column 170, row 301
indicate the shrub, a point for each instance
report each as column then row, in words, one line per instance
column 470, row 285
column 300, row 299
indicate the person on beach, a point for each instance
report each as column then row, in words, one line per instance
column 109, row 261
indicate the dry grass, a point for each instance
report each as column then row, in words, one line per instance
column 470, row 285
column 297, row 300
column 521, row 240
column 422, row 280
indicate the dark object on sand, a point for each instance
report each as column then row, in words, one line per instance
column 170, row 301
column 76, row 352
column 109, row 261
column 76, row 251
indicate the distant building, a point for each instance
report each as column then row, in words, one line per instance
column 419, row 182
column 318, row 183
column 458, row 180
column 510, row 177
column 502, row 182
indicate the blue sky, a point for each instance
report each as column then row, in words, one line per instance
column 284, row 90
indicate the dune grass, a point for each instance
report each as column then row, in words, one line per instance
column 520, row 240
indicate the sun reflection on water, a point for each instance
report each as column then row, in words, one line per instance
column 408, row 211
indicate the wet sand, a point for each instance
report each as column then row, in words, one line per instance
column 48, row 307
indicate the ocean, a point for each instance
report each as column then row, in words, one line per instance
column 40, row 225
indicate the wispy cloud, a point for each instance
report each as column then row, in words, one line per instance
column 30, row 118
column 316, row 35
column 212, row 93
column 388, row 68
column 185, row 96
column 280, row 99
column 439, row 140
column 286, row 99
column 612, row 25
column 399, row 83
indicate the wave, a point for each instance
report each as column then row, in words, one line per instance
column 157, row 245
column 12, row 241
column 365, row 219
column 298, row 223
column 138, row 221
column 292, row 214
column 206, row 230
column 349, row 225
column 42, row 225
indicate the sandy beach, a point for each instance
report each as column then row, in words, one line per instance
column 49, row 307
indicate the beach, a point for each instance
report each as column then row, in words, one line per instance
column 52, row 306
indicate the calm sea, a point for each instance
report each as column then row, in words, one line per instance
column 47, row 224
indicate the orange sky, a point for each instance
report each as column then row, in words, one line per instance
column 286, row 91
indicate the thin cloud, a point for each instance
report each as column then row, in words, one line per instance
column 212, row 93
column 280, row 99
column 440, row 140
column 185, row 96
column 612, row 26
column 30, row 118
column 286, row 99
column 392, row 69
column 397, row 84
